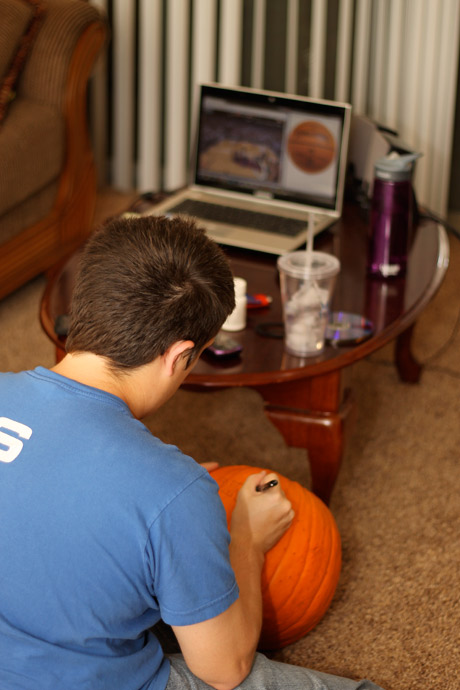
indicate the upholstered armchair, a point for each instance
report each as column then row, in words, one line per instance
column 47, row 172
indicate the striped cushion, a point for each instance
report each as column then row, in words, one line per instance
column 27, row 213
column 18, row 27
column 32, row 136
column 45, row 74
column 31, row 151
column 15, row 17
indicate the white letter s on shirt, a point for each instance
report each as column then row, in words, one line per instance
column 13, row 444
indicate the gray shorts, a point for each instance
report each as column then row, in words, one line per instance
column 268, row 675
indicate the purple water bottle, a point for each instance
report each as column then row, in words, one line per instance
column 391, row 216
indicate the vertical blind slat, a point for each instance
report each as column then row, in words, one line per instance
column 426, row 104
column 123, row 93
column 318, row 48
column 204, row 40
column 290, row 78
column 258, row 44
column 203, row 51
column 378, row 57
column 150, row 100
column 445, row 103
column 231, row 39
column 411, row 67
column 99, row 109
column 396, row 38
column 361, row 57
column 344, row 44
column 176, row 119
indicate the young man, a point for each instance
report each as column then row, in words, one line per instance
column 104, row 529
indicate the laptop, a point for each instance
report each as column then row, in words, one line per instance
column 265, row 165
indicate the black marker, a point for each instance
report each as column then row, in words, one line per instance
column 268, row 485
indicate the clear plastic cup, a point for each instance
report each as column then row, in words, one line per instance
column 307, row 284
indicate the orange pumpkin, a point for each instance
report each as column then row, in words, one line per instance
column 302, row 570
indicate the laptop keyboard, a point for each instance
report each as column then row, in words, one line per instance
column 240, row 217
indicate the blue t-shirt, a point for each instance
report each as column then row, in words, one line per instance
column 104, row 530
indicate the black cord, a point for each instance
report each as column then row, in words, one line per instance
column 437, row 353
column 445, row 370
column 426, row 363
column 429, row 215
column 430, row 367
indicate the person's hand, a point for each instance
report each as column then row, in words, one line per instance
column 210, row 466
column 263, row 517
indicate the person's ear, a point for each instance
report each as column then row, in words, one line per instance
column 177, row 356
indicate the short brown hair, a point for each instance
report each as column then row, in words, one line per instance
column 145, row 283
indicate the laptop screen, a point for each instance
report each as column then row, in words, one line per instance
column 273, row 146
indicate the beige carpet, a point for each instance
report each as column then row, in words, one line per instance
column 395, row 617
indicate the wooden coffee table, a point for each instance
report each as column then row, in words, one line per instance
column 308, row 399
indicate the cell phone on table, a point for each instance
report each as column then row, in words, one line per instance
column 224, row 346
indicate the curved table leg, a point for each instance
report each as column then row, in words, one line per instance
column 409, row 369
column 320, row 431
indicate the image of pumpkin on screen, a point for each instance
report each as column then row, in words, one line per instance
column 311, row 146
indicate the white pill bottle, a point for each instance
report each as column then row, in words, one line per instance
column 236, row 321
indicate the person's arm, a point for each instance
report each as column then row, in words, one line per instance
column 221, row 650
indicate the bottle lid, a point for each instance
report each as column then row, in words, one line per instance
column 395, row 167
